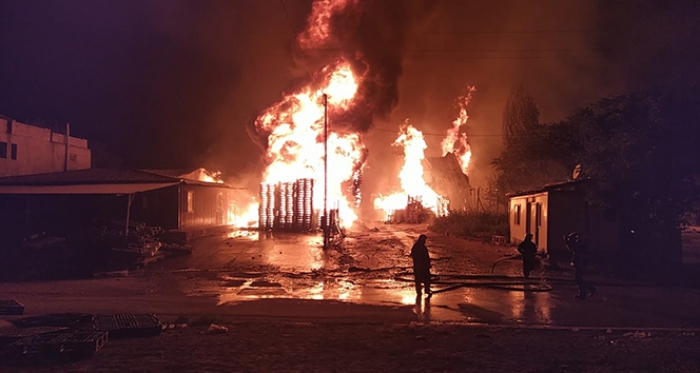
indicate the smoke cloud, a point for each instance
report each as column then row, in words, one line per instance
column 176, row 83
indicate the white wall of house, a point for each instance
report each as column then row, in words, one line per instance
column 27, row 149
column 529, row 214
column 516, row 212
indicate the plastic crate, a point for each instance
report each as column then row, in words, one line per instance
column 126, row 325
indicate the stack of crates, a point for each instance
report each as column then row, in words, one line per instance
column 303, row 206
column 266, row 212
column 285, row 206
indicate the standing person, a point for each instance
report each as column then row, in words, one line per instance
column 421, row 265
column 579, row 260
column 528, row 250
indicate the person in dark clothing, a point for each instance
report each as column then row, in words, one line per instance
column 421, row 264
column 528, row 250
column 579, row 260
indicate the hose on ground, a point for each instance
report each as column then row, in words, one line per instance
column 533, row 285
column 500, row 282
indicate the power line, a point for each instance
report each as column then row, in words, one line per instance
column 435, row 50
column 433, row 134
column 504, row 32
column 294, row 37
column 461, row 57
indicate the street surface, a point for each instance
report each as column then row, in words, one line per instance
column 291, row 307
column 247, row 273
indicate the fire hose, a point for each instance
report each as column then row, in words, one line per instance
column 491, row 281
column 509, row 283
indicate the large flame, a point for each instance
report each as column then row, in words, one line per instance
column 456, row 142
column 295, row 126
column 243, row 217
column 411, row 175
column 295, row 142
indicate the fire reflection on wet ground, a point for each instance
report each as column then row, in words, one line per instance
column 247, row 268
column 288, row 266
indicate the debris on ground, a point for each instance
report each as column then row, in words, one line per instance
column 216, row 329
column 125, row 325
column 57, row 337
column 11, row 307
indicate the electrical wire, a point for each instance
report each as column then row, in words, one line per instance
column 294, row 37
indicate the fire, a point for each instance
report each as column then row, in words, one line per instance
column 318, row 30
column 246, row 218
column 411, row 175
column 456, row 142
column 294, row 128
column 295, row 125
column 295, row 141
column 210, row 177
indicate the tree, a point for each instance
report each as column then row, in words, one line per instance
column 640, row 152
column 532, row 152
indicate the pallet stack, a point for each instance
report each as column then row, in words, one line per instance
column 285, row 206
column 303, row 204
column 266, row 211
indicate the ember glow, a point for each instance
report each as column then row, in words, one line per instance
column 456, row 142
column 411, row 175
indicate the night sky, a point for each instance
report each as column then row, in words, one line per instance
column 174, row 83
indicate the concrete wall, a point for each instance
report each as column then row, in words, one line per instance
column 39, row 150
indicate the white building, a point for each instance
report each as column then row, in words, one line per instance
column 27, row 149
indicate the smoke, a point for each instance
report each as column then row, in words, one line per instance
column 372, row 35
column 175, row 83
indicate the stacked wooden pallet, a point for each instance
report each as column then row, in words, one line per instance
column 140, row 239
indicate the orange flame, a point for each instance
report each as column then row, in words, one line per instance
column 243, row 218
column 294, row 126
column 295, row 141
column 411, row 175
column 210, row 177
column 318, row 30
column 456, row 142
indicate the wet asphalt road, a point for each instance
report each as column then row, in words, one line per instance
column 250, row 267
column 367, row 279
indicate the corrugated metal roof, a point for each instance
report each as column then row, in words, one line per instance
column 88, row 176
column 563, row 186
column 176, row 173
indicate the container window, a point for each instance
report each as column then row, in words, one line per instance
column 190, row 201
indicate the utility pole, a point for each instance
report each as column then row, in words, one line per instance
column 65, row 160
column 326, row 221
